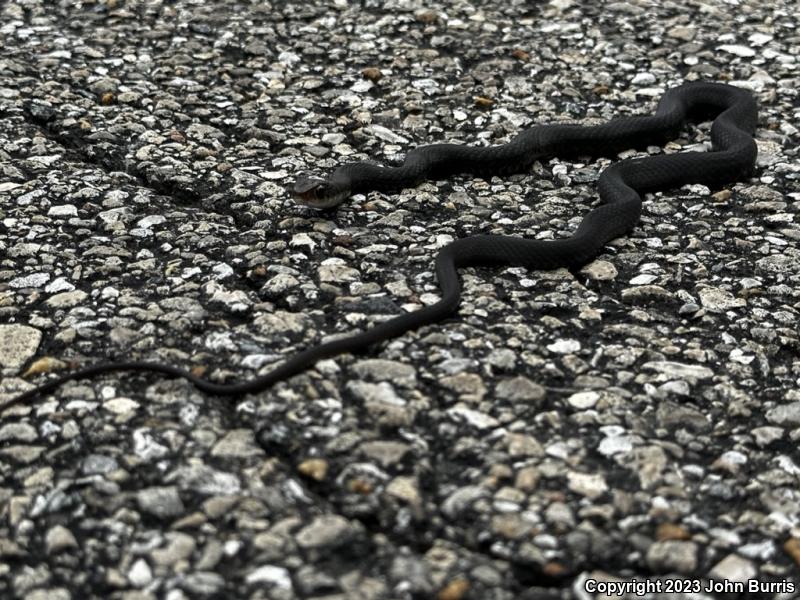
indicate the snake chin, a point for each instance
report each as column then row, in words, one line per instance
column 318, row 193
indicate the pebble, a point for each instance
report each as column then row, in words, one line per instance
column 326, row 532
column 643, row 79
column 382, row 392
column 140, row 574
column 523, row 445
column 778, row 263
column 18, row 344
column 583, row 400
column 564, row 346
column 734, row 568
column 679, row 370
column 21, row 432
column 270, row 574
column 738, row 50
column 238, row 443
column 336, row 270
column 179, row 547
column 473, row 418
column 519, row 389
column 58, row 539
column 314, row 468
column 161, row 502
column 121, row 406
column 375, row 369
column 204, row 480
column 615, row 444
column 386, row 453
column 98, row 464
column 461, row 499
column 63, row 210
column 785, row 414
column 764, row 436
column 589, row 485
column 203, row 584
column 673, row 556
column 686, row 34
column 67, row 299
column 406, row 489
column 719, row 300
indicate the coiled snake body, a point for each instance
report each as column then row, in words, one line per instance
column 733, row 156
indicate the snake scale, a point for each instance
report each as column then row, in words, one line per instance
column 620, row 186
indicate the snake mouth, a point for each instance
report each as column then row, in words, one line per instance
column 316, row 193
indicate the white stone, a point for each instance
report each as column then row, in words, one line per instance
column 63, row 210
column 734, row 568
column 564, row 346
column 121, row 406
column 583, row 400
column 140, row 574
column 679, row 370
column 34, row 280
column 738, row 50
column 477, row 419
column 277, row 576
column 585, row 484
column 150, row 220
column 644, row 79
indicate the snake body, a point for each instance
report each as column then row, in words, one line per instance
column 620, row 187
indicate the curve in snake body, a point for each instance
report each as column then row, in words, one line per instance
column 733, row 156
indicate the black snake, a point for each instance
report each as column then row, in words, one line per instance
column 620, row 185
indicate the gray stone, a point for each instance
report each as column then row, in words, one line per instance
column 18, row 343
column 162, row 502
column 282, row 322
column 238, row 443
column 98, row 464
column 67, row 299
column 785, row 414
column 21, row 432
column 600, row 270
column 377, row 369
column 49, row 594
column 719, row 300
column 785, row 262
column 59, row 538
column 326, row 531
column 180, row 546
column 205, row 480
column 673, row 556
column 413, row 573
column 335, row 270
column 764, row 436
column 203, row 583
column 385, row 452
column 519, row 389
column 382, row 392
column 734, row 568
column 473, row 418
column 461, row 499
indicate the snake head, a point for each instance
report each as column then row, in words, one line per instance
column 317, row 193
